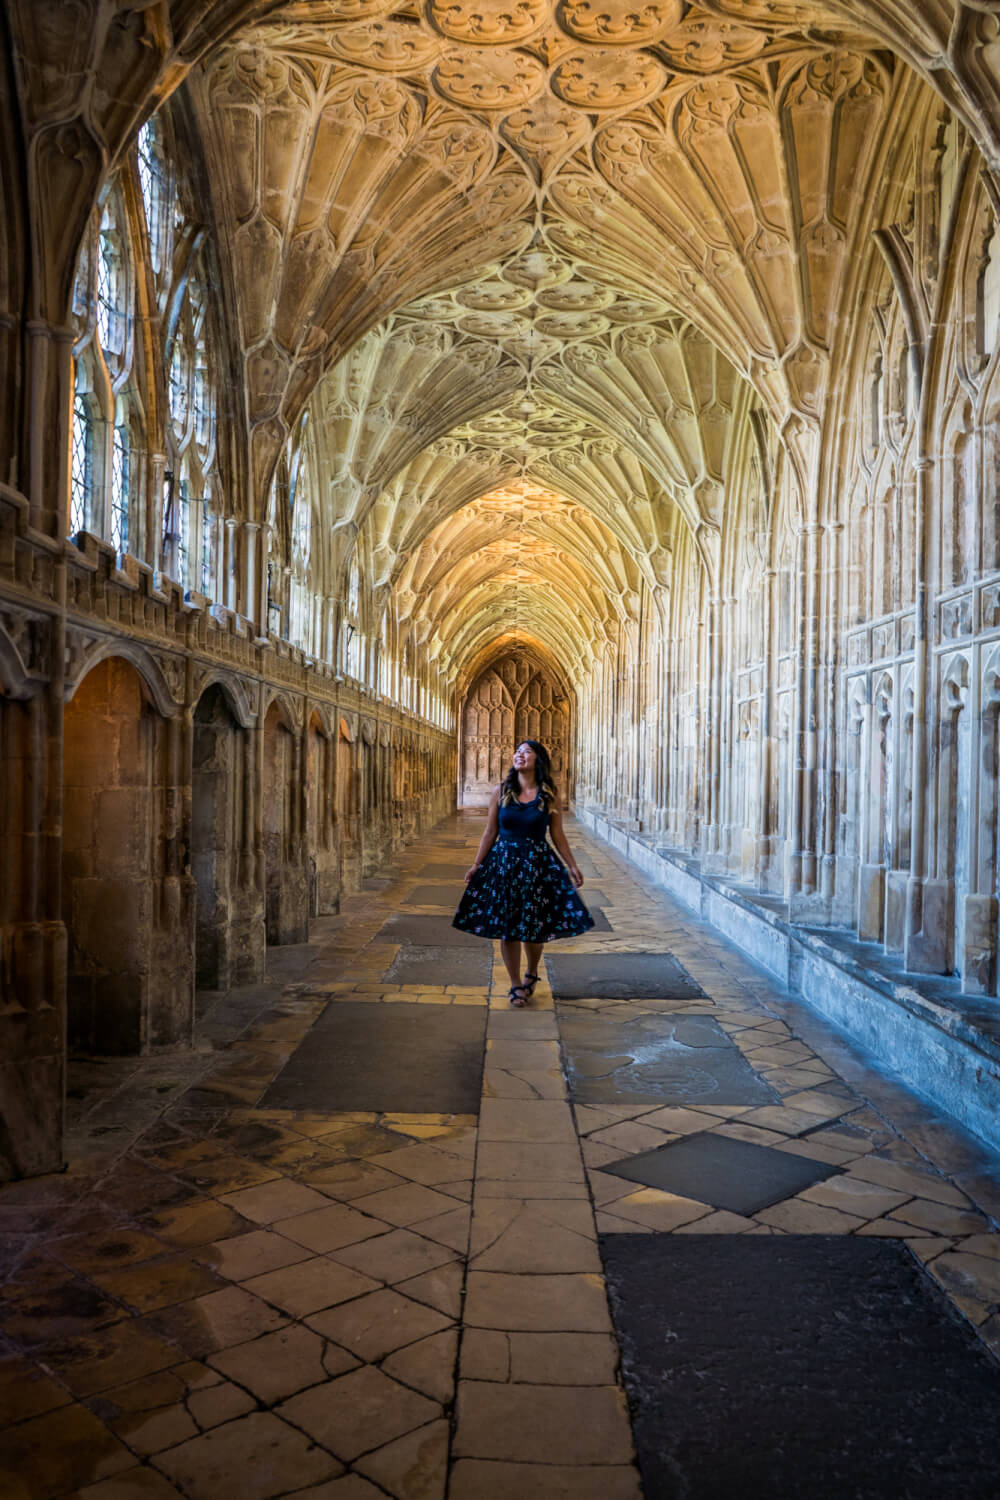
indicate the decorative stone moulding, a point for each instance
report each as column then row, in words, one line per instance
column 483, row 25
column 498, row 80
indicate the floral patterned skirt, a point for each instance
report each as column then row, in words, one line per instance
column 522, row 891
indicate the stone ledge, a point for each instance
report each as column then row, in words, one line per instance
column 942, row 1043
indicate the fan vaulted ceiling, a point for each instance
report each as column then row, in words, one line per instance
column 536, row 268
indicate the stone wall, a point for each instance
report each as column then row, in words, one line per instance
column 181, row 794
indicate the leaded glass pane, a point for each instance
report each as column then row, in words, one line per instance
column 206, row 551
column 179, row 387
column 81, row 286
column 183, row 531
column 151, row 182
column 120, row 488
column 111, row 288
column 203, row 403
column 82, row 472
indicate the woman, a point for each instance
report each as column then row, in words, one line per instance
column 517, row 890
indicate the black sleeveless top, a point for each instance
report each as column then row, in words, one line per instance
column 524, row 820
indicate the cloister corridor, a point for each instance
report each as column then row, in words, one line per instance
column 384, row 383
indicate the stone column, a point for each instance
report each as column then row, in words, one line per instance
column 765, row 859
column 802, row 865
column 229, row 579
column 711, row 827
column 831, row 758
column 927, row 900
column 49, row 381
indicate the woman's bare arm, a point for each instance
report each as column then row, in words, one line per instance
column 559, row 839
column 489, row 834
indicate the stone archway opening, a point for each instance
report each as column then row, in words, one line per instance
column 286, row 894
column 229, row 947
column 516, row 697
column 129, row 951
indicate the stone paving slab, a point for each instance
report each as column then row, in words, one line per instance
column 659, row 1059
column 799, row 1367
column 443, row 894
column 207, row 1261
column 426, row 931
column 421, row 1058
column 730, row 1174
column 623, row 976
column 426, row 966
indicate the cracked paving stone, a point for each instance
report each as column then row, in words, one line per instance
column 358, row 1412
column 414, row 1467
column 253, row 1458
column 375, row 1325
column 542, row 1424
column 283, row 1363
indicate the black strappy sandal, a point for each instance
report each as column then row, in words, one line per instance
column 528, row 984
column 517, row 996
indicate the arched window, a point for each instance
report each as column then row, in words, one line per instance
column 191, row 549
column 103, row 469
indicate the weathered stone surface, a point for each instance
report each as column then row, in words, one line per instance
column 248, row 1458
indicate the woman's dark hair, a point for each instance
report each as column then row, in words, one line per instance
column 511, row 786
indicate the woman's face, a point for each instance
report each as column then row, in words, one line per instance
column 524, row 758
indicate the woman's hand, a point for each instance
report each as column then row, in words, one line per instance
column 469, row 873
column 575, row 876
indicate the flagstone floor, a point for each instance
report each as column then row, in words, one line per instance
column 226, row 1302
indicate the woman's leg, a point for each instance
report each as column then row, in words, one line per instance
column 510, row 952
column 532, row 959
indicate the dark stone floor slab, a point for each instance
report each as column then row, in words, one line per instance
column 655, row 1059
column 727, row 1173
column 620, row 976
column 801, row 1367
column 424, row 1059
column 443, row 870
column 601, row 923
column 415, row 964
column 447, row 895
column 425, row 931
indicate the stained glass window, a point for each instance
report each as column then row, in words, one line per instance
column 83, row 464
column 120, row 488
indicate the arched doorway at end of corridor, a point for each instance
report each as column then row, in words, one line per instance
column 516, row 696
